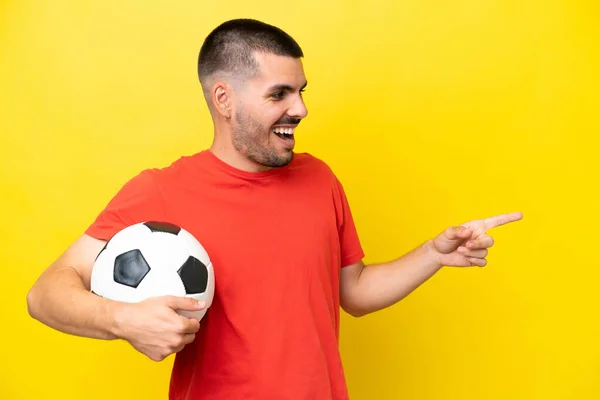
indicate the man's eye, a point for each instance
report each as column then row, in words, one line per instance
column 278, row 95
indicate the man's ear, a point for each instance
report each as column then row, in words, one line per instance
column 221, row 98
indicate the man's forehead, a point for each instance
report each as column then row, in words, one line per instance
column 274, row 69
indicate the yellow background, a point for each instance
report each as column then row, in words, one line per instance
column 431, row 113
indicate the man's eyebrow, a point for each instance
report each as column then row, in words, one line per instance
column 284, row 87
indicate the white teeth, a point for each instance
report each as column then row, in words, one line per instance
column 285, row 131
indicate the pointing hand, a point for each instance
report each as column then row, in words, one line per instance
column 467, row 245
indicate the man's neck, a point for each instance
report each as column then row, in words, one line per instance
column 223, row 149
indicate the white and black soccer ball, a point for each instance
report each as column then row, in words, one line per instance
column 151, row 259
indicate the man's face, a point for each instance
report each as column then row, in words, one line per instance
column 269, row 106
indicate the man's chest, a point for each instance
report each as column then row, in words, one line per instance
column 258, row 237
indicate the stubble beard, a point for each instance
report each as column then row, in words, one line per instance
column 247, row 136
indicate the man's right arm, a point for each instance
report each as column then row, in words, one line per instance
column 61, row 298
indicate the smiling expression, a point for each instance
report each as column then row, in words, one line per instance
column 268, row 108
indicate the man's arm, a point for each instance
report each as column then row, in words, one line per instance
column 366, row 289
column 61, row 299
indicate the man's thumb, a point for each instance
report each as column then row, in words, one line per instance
column 457, row 233
column 451, row 238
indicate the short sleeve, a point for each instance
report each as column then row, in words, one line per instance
column 350, row 246
column 138, row 200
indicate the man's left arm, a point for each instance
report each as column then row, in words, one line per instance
column 368, row 288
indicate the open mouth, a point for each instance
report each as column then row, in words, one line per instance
column 285, row 134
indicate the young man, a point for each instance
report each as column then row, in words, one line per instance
column 279, row 231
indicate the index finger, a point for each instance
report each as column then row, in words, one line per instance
column 502, row 219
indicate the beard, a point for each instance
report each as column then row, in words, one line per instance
column 248, row 138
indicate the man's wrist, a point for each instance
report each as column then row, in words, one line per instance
column 432, row 255
column 115, row 315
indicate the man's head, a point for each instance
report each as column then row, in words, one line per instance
column 252, row 78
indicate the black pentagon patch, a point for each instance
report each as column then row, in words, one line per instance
column 157, row 226
column 130, row 268
column 194, row 275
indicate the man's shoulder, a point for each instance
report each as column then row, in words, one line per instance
column 315, row 170
column 177, row 166
column 313, row 163
column 156, row 177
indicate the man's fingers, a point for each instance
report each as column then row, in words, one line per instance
column 480, row 262
column 502, row 219
column 185, row 340
column 184, row 303
column 451, row 238
column 479, row 253
column 188, row 338
column 190, row 325
column 482, row 242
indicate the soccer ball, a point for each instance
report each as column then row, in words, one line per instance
column 151, row 259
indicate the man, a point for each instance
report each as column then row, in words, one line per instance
column 278, row 229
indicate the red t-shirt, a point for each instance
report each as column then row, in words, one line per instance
column 277, row 241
